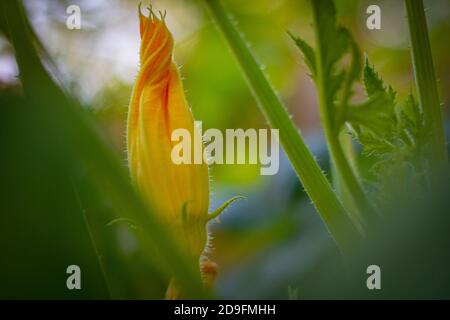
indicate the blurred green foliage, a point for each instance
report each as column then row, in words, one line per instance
column 68, row 188
column 63, row 172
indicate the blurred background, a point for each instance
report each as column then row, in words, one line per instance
column 271, row 245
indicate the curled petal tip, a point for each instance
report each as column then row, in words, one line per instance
column 151, row 13
column 150, row 20
column 162, row 15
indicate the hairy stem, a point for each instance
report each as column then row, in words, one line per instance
column 427, row 89
column 314, row 181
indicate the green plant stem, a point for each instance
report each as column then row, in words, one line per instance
column 347, row 199
column 314, row 181
column 427, row 89
column 344, row 171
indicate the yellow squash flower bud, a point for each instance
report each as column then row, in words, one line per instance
column 177, row 192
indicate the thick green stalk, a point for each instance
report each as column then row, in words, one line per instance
column 427, row 89
column 314, row 181
column 344, row 170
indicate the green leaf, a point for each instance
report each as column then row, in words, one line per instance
column 393, row 134
column 411, row 118
column 308, row 53
column 215, row 214
column 412, row 125
column 372, row 81
column 376, row 115
column 333, row 42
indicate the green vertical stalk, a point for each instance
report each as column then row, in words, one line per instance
column 347, row 199
column 344, row 170
column 427, row 89
column 314, row 181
